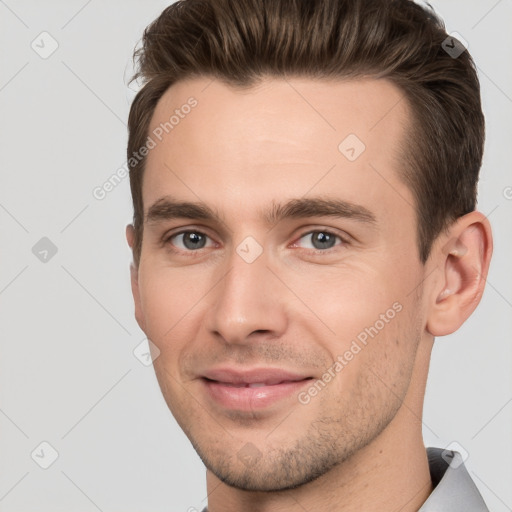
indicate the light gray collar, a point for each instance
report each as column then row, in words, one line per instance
column 454, row 489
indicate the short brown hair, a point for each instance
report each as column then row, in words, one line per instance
column 242, row 41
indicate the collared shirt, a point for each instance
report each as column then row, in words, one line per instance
column 454, row 491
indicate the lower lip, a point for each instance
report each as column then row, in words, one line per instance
column 249, row 399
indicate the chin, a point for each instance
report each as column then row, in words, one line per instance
column 276, row 470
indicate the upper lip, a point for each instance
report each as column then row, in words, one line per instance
column 268, row 376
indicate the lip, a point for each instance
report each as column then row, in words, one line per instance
column 247, row 390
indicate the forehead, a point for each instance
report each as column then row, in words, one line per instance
column 288, row 136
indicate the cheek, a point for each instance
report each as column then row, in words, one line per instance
column 167, row 301
column 376, row 372
column 351, row 300
column 373, row 319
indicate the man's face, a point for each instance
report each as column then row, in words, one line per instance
column 250, row 313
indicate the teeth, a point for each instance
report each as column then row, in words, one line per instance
column 256, row 385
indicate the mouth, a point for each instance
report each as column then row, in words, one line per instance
column 254, row 389
column 254, row 384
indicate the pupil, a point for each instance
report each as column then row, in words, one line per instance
column 323, row 240
column 190, row 240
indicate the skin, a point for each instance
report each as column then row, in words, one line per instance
column 357, row 444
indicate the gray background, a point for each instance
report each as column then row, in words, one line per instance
column 67, row 368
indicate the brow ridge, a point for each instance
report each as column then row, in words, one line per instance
column 168, row 208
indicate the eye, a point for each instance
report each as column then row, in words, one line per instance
column 321, row 240
column 190, row 240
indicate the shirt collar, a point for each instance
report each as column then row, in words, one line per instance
column 454, row 491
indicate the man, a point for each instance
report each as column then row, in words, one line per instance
column 304, row 182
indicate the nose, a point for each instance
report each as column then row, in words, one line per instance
column 248, row 302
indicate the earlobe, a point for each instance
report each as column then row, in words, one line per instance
column 464, row 263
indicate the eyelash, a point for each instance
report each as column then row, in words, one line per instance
column 192, row 253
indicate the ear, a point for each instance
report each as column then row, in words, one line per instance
column 463, row 258
column 134, row 278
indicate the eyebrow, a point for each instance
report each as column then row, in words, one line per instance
column 168, row 208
